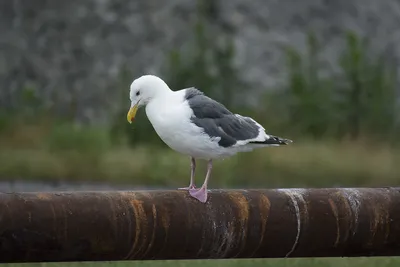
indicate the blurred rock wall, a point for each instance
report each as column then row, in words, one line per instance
column 71, row 52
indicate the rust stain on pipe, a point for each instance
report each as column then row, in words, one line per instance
column 145, row 225
column 336, row 215
column 264, row 207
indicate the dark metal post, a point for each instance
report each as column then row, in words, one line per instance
column 144, row 225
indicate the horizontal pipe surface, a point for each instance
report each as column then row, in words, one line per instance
column 144, row 225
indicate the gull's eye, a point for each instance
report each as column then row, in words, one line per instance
column 137, row 93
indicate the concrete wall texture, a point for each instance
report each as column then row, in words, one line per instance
column 75, row 49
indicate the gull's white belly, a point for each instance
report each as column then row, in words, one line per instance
column 189, row 140
column 183, row 136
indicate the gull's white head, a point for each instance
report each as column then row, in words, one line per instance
column 143, row 90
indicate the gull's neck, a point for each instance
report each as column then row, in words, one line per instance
column 164, row 93
column 164, row 98
column 157, row 110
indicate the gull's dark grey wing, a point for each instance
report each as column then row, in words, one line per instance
column 218, row 121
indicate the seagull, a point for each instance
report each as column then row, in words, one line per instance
column 195, row 125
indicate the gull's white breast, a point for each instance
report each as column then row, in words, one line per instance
column 171, row 120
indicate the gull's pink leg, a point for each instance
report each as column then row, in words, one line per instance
column 201, row 194
column 192, row 170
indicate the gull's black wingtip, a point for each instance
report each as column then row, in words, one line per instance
column 275, row 140
column 285, row 141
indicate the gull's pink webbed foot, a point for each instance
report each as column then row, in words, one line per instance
column 190, row 187
column 199, row 194
column 192, row 170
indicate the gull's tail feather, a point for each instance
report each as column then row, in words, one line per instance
column 274, row 140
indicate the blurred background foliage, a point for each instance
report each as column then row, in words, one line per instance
column 344, row 122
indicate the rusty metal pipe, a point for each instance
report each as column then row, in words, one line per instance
column 145, row 225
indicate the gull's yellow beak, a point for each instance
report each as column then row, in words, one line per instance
column 132, row 113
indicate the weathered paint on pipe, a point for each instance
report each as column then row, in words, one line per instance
column 145, row 225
